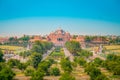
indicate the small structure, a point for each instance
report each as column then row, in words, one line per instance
column 81, row 40
column 36, row 38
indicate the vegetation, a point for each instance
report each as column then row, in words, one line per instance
column 37, row 75
column 29, row 71
column 36, row 59
column 6, row 72
column 13, row 63
column 73, row 46
column 81, row 61
column 1, row 56
column 67, row 76
column 66, row 65
column 41, row 47
column 36, row 68
column 55, row 71
column 85, row 53
column 94, row 72
column 112, row 64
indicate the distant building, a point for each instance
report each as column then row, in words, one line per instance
column 36, row 38
column 59, row 37
column 99, row 40
column 3, row 40
column 81, row 40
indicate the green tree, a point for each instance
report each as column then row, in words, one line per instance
column 67, row 76
column 85, row 53
column 111, row 57
column 22, row 66
column 45, row 65
column 6, row 73
column 73, row 46
column 11, row 39
column 55, row 71
column 92, row 71
column 81, row 61
column 38, row 47
column 37, row 75
column 98, row 61
column 101, row 77
column 66, row 65
column 1, row 56
column 116, row 70
column 29, row 71
column 13, row 62
column 36, row 59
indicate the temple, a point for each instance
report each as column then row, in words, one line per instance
column 59, row 37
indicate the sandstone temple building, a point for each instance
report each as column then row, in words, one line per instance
column 59, row 37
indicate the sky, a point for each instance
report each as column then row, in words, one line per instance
column 40, row 17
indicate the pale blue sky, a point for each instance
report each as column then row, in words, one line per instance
column 92, row 17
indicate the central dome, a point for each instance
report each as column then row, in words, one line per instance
column 59, row 31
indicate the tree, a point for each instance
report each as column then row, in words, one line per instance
column 81, row 61
column 101, row 77
column 44, row 66
column 94, row 72
column 66, row 65
column 38, row 47
column 36, row 59
column 6, row 73
column 1, row 56
column 73, row 46
column 13, row 62
column 98, row 61
column 29, row 71
column 37, row 75
column 85, row 53
column 25, row 38
column 67, row 76
column 111, row 57
column 55, row 71
column 116, row 70
column 22, row 66
column 11, row 39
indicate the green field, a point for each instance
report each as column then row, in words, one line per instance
column 16, row 49
column 112, row 48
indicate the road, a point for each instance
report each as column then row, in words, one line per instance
column 68, row 54
column 45, row 55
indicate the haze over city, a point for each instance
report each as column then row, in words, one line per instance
column 40, row 17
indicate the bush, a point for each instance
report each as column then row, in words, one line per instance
column 29, row 71
column 55, row 71
column 66, row 65
column 37, row 75
column 6, row 72
column 67, row 76
column 13, row 62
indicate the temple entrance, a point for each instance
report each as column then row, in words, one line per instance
column 59, row 39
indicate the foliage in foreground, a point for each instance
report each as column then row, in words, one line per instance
column 67, row 76
column 6, row 72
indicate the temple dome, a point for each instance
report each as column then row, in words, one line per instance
column 59, row 31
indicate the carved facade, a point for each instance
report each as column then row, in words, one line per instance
column 59, row 37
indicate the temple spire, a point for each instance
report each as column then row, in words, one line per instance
column 59, row 28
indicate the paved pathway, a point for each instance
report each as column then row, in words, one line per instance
column 68, row 54
column 45, row 55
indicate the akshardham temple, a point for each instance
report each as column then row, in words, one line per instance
column 59, row 37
